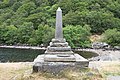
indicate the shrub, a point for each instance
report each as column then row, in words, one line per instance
column 77, row 36
column 112, row 37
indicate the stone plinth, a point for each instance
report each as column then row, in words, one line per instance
column 56, row 66
column 58, row 57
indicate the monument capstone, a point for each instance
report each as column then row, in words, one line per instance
column 58, row 54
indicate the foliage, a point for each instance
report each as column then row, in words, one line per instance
column 43, row 35
column 77, row 36
column 112, row 37
column 100, row 15
column 10, row 36
column 24, row 32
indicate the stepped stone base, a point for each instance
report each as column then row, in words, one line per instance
column 57, row 57
column 53, row 64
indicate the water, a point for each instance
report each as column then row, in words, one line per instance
column 28, row 55
column 18, row 55
column 87, row 54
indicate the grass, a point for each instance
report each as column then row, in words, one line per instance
column 9, row 71
column 81, row 74
column 68, row 74
column 23, row 71
column 110, row 68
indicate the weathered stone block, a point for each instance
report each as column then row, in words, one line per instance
column 56, row 67
column 59, row 44
column 50, row 65
column 59, row 40
column 62, row 52
column 58, row 48
column 58, row 58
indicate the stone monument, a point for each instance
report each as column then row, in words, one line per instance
column 58, row 55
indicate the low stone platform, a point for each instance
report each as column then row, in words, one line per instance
column 58, row 57
column 55, row 65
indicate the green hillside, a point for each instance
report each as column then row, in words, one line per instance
column 33, row 21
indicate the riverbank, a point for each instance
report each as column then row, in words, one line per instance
column 24, row 47
column 99, row 51
column 103, row 55
column 23, row 71
column 107, row 55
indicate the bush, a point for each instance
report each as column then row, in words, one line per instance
column 112, row 37
column 77, row 36
column 42, row 35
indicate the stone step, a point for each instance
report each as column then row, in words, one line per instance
column 58, row 44
column 55, row 49
column 61, row 40
column 56, row 58
column 67, row 52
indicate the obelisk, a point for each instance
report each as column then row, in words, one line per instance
column 59, row 31
column 58, row 54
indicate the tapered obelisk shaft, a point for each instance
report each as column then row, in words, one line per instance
column 59, row 31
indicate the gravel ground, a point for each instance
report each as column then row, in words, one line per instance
column 107, row 56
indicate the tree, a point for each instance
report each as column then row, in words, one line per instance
column 43, row 35
column 38, row 18
column 24, row 32
column 115, row 8
column 99, row 21
column 25, row 9
column 77, row 36
column 75, row 18
column 3, row 30
column 112, row 37
column 10, row 36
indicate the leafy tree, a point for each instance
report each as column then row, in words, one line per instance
column 3, row 30
column 99, row 21
column 41, row 2
column 38, row 18
column 25, row 9
column 32, row 41
column 24, row 32
column 16, row 5
column 6, row 3
column 75, row 18
column 5, row 15
column 115, row 8
column 43, row 35
column 77, row 36
column 112, row 37
column 10, row 36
